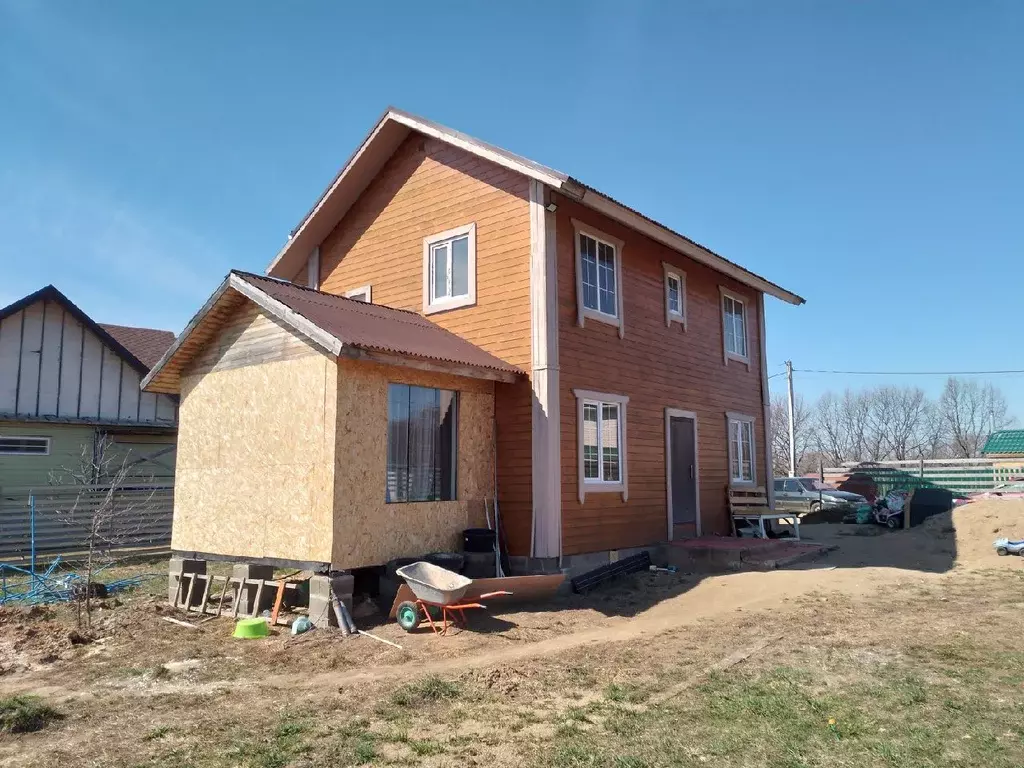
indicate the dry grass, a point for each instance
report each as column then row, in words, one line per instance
column 873, row 668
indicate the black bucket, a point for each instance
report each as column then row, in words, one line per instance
column 478, row 540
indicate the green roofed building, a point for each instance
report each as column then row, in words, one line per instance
column 1005, row 442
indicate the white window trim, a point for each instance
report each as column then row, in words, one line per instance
column 363, row 289
column 599, row 486
column 582, row 312
column 670, row 316
column 469, row 299
column 726, row 354
column 730, row 417
column 25, row 453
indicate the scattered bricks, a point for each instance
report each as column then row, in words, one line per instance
column 184, row 569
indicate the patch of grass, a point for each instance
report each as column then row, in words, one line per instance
column 279, row 750
column 24, row 714
column 426, row 747
column 430, row 689
column 625, row 693
column 157, row 733
column 364, row 751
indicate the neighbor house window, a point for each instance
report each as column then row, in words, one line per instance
column 675, row 295
column 24, row 446
column 598, row 276
column 741, row 448
column 734, row 325
column 422, row 437
column 449, row 269
column 363, row 293
column 601, row 442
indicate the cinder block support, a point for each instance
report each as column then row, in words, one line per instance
column 320, row 612
column 183, row 568
column 248, row 593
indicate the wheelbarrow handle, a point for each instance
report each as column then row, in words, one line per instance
column 500, row 593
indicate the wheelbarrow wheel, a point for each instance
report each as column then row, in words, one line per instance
column 408, row 615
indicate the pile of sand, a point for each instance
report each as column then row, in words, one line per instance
column 973, row 527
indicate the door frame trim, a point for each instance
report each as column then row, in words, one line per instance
column 671, row 413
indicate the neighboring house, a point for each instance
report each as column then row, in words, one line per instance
column 1006, row 443
column 66, row 381
column 624, row 364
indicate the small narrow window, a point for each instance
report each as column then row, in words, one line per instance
column 449, row 269
column 602, row 440
column 24, row 446
column 363, row 293
column 741, row 449
column 422, row 444
column 675, row 296
column 734, row 325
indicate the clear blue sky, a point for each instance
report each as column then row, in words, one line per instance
column 867, row 155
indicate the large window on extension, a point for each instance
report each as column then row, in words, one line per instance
column 449, row 269
column 422, row 443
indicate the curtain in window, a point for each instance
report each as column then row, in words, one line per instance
column 421, row 458
column 591, row 468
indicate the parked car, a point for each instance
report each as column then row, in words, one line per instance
column 808, row 494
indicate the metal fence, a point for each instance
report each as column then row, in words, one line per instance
column 57, row 520
column 961, row 476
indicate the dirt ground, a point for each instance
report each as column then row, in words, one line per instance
column 666, row 654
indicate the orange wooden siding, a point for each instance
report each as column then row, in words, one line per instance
column 657, row 367
column 429, row 187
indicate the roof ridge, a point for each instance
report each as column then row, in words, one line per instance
column 137, row 328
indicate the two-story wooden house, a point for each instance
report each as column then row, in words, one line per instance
column 452, row 322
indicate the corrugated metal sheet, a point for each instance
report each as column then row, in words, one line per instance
column 138, row 517
column 377, row 327
column 1005, row 441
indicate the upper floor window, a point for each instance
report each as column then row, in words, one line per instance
column 601, row 442
column 24, row 446
column 675, row 295
column 362, row 293
column 598, row 276
column 734, row 327
column 422, row 444
column 449, row 269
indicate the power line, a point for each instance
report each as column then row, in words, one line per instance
column 907, row 373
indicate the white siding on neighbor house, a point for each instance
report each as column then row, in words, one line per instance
column 53, row 366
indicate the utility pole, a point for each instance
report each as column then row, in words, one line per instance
column 792, row 426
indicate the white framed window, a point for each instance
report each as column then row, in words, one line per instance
column 17, row 445
column 449, row 269
column 601, row 443
column 675, row 295
column 734, row 327
column 598, row 276
column 362, row 293
column 741, row 449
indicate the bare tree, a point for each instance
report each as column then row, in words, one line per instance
column 970, row 410
column 103, row 508
column 843, row 428
column 803, row 432
column 899, row 420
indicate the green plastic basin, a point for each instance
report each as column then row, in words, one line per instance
column 250, row 628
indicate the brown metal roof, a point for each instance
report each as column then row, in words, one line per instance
column 376, row 327
column 147, row 344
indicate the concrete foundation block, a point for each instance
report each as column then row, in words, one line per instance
column 247, row 595
column 320, row 586
column 184, row 569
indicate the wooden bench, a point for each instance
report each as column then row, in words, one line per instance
column 750, row 503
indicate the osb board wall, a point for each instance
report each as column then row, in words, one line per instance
column 255, row 470
column 368, row 531
column 428, row 187
column 657, row 367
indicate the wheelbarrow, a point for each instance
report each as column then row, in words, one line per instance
column 439, row 589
